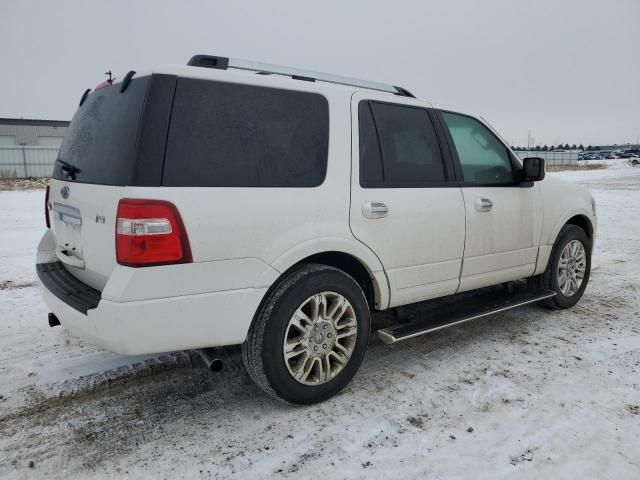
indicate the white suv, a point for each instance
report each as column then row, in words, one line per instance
column 227, row 202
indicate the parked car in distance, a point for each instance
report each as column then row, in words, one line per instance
column 227, row 202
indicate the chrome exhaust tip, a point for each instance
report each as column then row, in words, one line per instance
column 211, row 358
column 53, row 320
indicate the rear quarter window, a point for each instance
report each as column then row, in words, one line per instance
column 232, row 135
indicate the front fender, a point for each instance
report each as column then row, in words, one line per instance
column 564, row 218
column 561, row 201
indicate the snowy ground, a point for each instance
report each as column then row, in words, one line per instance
column 530, row 393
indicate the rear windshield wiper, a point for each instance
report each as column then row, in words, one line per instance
column 68, row 169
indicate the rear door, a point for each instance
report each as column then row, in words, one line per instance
column 502, row 224
column 405, row 204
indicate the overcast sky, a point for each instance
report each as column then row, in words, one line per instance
column 568, row 70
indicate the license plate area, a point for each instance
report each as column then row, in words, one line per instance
column 68, row 229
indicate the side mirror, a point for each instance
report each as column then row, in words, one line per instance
column 533, row 169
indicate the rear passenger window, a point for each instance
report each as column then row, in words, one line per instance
column 371, row 171
column 398, row 147
column 231, row 135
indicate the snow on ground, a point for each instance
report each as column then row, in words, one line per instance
column 530, row 393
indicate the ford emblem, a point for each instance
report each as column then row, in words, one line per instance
column 64, row 191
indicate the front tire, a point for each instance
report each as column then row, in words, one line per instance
column 569, row 267
column 309, row 336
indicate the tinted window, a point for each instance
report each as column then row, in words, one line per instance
column 408, row 153
column 101, row 140
column 230, row 135
column 484, row 159
column 371, row 171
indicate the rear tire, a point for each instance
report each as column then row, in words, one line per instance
column 569, row 267
column 295, row 351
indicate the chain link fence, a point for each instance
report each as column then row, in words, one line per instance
column 551, row 158
column 27, row 162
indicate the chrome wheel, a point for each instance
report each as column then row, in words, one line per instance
column 320, row 338
column 571, row 268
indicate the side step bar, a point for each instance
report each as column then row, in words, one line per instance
column 459, row 313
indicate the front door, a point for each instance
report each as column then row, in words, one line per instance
column 502, row 224
column 405, row 204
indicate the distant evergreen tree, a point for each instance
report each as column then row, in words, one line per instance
column 537, row 149
column 545, row 148
column 574, row 147
column 590, row 147
column 566, row 147
column 581, row 147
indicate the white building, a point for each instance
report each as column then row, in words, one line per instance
column 31, row 132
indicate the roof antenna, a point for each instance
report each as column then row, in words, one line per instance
column 109, row 80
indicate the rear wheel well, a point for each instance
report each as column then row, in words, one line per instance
column 350, row 265
column 583, row 222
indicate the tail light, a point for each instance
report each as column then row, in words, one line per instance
column 150, row 232
column 46, row 207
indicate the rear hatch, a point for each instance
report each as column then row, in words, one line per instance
column 116, row 139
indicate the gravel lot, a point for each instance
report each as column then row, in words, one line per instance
column 530, row 393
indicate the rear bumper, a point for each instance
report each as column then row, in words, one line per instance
column 66, row 287
column 158, row 325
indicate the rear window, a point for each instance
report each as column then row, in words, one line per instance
column 101, row 140
column 231, row 135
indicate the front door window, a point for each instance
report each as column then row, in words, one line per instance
column 484, row 159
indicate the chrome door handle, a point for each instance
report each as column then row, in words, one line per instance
column 374, row 209
column 483, row 204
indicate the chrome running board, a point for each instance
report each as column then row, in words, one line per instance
column 459, row 313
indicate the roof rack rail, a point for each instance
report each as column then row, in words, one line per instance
column 224, row 63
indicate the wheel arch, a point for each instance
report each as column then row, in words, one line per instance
column 352, row 266
column 579, row 217
column 583, row 222
column 352, row 257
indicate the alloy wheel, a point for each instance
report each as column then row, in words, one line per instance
column 571, row 268
column 320, row 338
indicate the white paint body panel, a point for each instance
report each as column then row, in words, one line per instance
column 501, row 244
column 243, row 239
column 421, row 239
column 161, row 325
column 561, row 201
